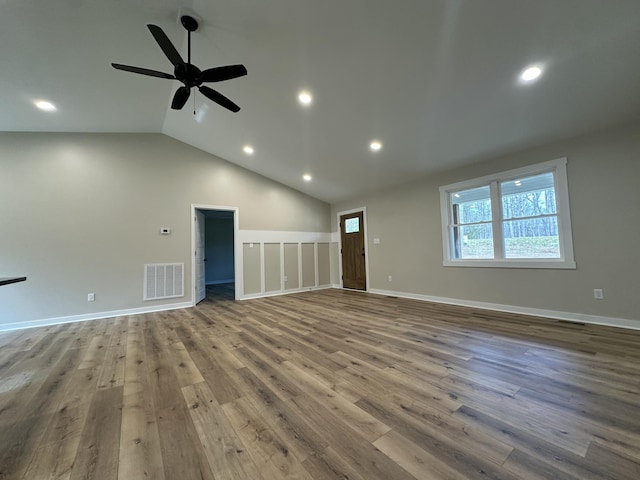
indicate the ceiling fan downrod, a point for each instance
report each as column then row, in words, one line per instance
column 191, row 25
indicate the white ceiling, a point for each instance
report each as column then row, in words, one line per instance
column 434, row 80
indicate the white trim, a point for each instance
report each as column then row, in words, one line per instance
column 300, row 266
column 559, row 169
column 290, row 238
column 516, row 263
column 496, row 227
column 282, row 282
column 237, row 248
column 315, row 263
column 263, row 280
column 92, row 316
column 275, row 236
column 366, row 243
column 238, row 255
column 220, row 282
column 535, row 312
column 252, row 296
column 564, row 212
column 506, row 175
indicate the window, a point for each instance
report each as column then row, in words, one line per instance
column 352, row 225
column 518, row 218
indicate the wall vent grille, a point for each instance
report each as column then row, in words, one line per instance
column 163, row 280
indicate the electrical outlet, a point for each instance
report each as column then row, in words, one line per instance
column 390, row 278
column 598, row 294
column 91, row 297
column 285, row 278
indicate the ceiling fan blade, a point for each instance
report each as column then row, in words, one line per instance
column 218, row 74
column 165, row 44
column 180, row 98
column 220, row 99
column 142, row 71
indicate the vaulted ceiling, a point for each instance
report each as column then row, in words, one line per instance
column 435, row 81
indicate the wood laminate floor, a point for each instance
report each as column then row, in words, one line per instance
column 321, row 385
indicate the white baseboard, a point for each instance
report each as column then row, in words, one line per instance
column 535, row 312
column 91, row 316
column 277, row 293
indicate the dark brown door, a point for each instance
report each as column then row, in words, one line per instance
column 354, row 272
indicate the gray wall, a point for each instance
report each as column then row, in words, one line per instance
column 324, row 264
column 251, row 265
column 604, row 191
column 291, row 266
column 81, row 213
column 308, row 265
column 272, row 267
column 219, row 250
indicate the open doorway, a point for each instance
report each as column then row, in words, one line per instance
column 214, row 230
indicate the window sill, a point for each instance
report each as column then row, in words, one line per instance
column 516, row 263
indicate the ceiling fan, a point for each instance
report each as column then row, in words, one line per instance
column 186, row 72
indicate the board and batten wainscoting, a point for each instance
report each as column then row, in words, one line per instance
column 275, row 263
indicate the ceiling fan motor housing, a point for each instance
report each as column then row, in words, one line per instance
column 188, row 74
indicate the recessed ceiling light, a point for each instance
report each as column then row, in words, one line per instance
column 248, row 149
column 305, row 98
column 375, row 146
column 44, row 105
column 306, row 177
column 530, row 74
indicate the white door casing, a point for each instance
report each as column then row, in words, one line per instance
column 200, row 285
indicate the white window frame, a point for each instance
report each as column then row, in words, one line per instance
column 559, row 169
